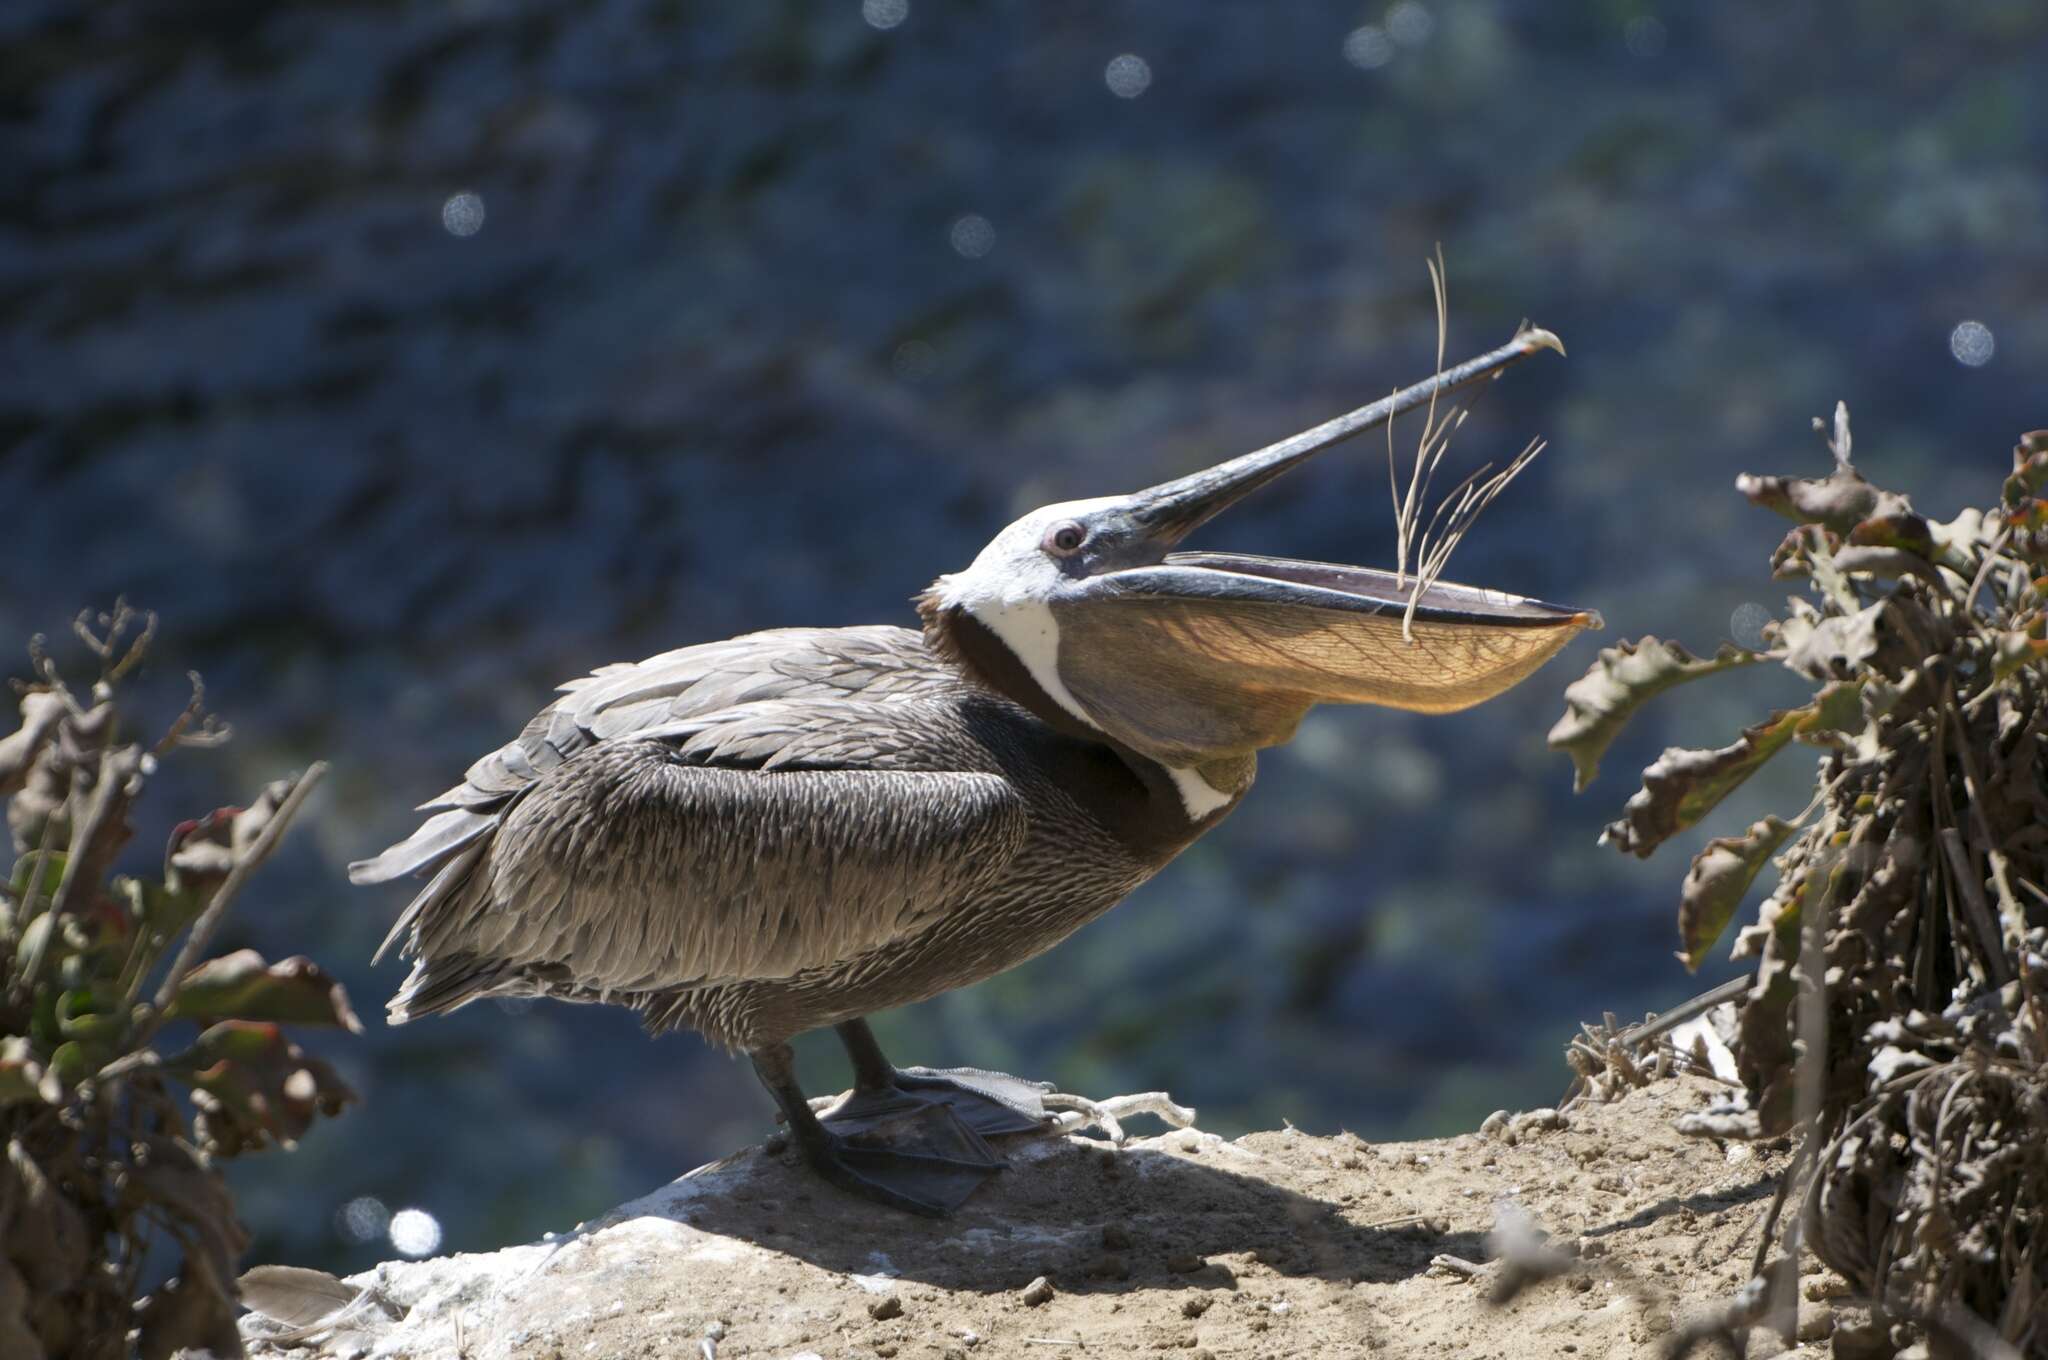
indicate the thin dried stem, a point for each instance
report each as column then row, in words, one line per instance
column 1464, row 507
column 1422, row 551
column 210, row 732
column 209, row 920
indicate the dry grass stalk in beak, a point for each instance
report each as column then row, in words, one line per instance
column 1430, row 546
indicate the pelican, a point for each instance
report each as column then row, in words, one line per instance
column 798, row 828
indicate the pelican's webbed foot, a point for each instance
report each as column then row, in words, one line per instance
column 915, row 1138
column 997, row 1105
column 917, row 1155
column 921, row 1157
column 991, row 1104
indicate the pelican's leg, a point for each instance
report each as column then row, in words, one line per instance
column 918, row 1157
column 990, row 1103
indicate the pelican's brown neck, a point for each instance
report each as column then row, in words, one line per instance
column 989, row 659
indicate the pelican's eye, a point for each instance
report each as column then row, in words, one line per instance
column 1065, row 538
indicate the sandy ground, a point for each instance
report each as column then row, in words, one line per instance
column 1278, row 1244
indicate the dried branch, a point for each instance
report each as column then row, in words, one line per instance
column 201, row 934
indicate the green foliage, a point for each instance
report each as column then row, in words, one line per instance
column 116, row 1101
column 1918, row 869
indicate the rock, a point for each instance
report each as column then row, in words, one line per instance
column 753, row 1257
column 1863, row 1340
column 1823, row 1286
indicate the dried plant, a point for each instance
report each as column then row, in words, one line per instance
column 1913, row 881
column 1430, row 545
column 116, row 1101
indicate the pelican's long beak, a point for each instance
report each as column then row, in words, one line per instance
column 1167, row 513
column 1192, row 657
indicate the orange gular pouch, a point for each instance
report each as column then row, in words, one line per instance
column 1212, row 655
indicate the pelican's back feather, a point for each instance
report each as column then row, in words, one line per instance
column 739, row 809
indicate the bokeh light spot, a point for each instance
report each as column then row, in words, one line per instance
column 463, row 214
column 362, row 1219
column 1410, row 23
column 1746, row 626
column 1644, row 36
column 415, row 1232
column 884, row 14
column 1368, row 48
column 973, row 236
column 1972, row 343
column 1127, row 76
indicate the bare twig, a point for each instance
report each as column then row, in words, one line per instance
column 1970, row 888
column 25, row 910
column 211, row 731
column 119, row 770
column 209, row 920
column 1984, row 570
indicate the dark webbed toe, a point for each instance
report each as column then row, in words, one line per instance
column 914, row 1154
column 987, row 1103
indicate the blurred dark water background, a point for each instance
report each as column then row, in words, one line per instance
column 412, row 357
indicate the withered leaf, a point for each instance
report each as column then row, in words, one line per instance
column 2015, row 649
column 41, row 711
column 1834, row 646
column 21, row 1076
column 193, row 1313
column 240, row 986
column 200, row 853
column 47, row 1236
column 1683, row 785
column 170, row 1178
column 1896, row 526
column 1623, row 678
column 2029, row 467
column 1839, row 501
column 251, row 1084
column 1718, row 881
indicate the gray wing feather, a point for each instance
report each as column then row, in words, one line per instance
column 634, row 870
column 440, row 886
column 438, row 838
column 686, row 870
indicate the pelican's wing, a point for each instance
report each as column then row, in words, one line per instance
column 630, row 869
column 739, row 809
column 632, row 698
